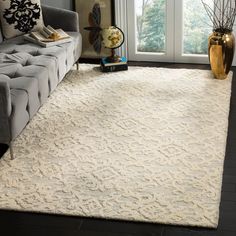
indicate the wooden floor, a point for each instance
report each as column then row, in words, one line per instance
column 19, row 223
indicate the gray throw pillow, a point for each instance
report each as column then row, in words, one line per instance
column 20, row 16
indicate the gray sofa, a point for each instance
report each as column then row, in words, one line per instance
column 29, row 73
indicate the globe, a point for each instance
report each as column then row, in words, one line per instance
column 113, row 37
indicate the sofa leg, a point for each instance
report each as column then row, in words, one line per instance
column 11, row 151
column 77, row 65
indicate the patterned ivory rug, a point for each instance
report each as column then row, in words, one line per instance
column 147, row 144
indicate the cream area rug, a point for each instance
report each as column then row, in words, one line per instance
column 147, row 144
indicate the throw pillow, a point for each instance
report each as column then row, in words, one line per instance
column 20, row 16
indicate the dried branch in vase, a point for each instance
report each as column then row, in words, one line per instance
column 221, row 13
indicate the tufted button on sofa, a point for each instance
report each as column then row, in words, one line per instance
column 29, row 73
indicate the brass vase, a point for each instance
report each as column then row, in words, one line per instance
column 221, row 53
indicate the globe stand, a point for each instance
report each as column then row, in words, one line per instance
column 113, row 58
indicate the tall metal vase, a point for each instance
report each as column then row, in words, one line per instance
column 221, row 53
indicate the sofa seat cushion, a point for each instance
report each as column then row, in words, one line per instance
column 27, row 84
column 30, row 86
column 32, row 73
column 62, row 56
column 9, row 68
column 20, row 58
column 41, row 75
column 50, row 63
column 19, row 116
column 18, row 44
column 20, row 17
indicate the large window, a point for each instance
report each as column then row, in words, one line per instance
column 168, row 30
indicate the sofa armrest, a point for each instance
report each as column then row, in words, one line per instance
column 60, row 18
column 5, row 112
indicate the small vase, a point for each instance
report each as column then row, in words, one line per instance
column 221, row 53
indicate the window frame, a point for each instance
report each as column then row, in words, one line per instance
column 133, row 54
column 125, row 19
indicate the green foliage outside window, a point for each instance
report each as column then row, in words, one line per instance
column 151, row 27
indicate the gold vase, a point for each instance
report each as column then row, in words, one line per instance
column 221, row 53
